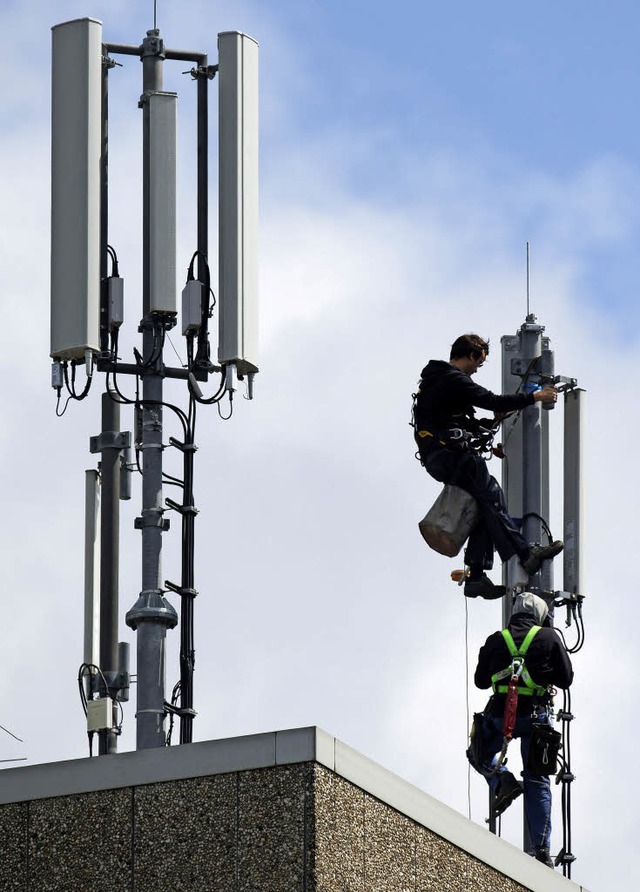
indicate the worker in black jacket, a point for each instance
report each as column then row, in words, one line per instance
column 444, row 418
column 547, row 664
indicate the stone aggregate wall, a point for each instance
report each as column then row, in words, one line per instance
column 293, row 828
column 364, row 845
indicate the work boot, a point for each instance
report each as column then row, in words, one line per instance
column 542, row 854
column 483, row 588
column 508, row 790
column 540, row 553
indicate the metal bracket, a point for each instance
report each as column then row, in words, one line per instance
column 110, row 440
column 561, row 383
column 565, row 777
column 152, row 517
column 108, row 62
column 208, row 71
column 181, row 509
column 179, row 590
column 176, row 710
column 566, row 599
column 563, row 857
column 152, row 45
column 183, row 447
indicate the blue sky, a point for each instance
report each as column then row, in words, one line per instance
column 408, row 152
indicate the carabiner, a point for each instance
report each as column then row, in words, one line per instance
column 517, row 665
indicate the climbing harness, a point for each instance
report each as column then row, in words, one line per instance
column 517, row 670
column 520, row 683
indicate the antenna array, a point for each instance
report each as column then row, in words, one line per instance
column 87, row 312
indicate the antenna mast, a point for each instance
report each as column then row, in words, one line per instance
column 87, row 305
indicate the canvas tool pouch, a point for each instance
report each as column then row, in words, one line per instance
column 476, row 752
column 449, row 521
column 544, row 749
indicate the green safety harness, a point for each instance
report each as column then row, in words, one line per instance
column 517, row 669
column 520, row 682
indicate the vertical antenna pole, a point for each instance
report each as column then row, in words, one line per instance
column 187, row 642
column 152, row 614
column 91, row 573
column 526, row 471
column 532, row 445
column 109, row 547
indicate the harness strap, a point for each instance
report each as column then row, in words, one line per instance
column 526, row 685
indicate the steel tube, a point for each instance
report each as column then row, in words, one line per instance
column 152, row 614
column 109, row 559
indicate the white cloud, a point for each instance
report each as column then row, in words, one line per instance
column 319, row 602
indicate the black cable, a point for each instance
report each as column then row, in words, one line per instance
column 170, row 480
column 71, row 387
column 203, row 351
column 576, row 612
column 191, row 364
column 174, row 699
column 227, row 417
column 545, row 525
column 114, row 261
column 68, row 400
column 157, row 348
column 209, row 400
column 113, row 376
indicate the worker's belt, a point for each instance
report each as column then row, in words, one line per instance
column 455, row 435
column 503, row 688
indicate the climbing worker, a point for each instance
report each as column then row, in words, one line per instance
column 531, row 651
column 445, row 426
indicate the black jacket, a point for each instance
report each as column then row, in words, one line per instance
column 546, row 659
column 446, row 398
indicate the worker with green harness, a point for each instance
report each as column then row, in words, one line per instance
column 522, row 664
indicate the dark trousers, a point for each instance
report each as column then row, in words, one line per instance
column 496, row 529
column 537, row 788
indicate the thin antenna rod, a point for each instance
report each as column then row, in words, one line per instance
column 528, row 279
column 155, row 15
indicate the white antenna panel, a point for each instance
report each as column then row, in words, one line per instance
column 238, row 200
column 574, row 430
column 162, row 201
column 76, row 125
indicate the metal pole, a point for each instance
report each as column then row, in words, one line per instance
column 512, row 471
column 187, row 643
column 532, row 447
column 109, row 546
column 152, row 614
column 91, row 574
column 526, row 475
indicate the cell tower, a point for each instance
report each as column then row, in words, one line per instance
column 87, row 312
column 528, row 364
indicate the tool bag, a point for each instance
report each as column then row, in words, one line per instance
column 449, row 521
column 477, row 751
column 544, row 749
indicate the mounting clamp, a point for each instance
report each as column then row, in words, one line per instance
column 110, row 440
